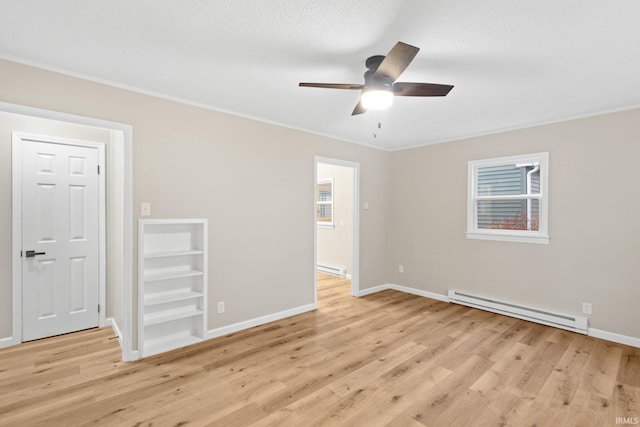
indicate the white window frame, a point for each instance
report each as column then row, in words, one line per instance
column 325, row 224
column 524, row 236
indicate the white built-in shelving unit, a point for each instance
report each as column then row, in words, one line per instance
column 172, row 284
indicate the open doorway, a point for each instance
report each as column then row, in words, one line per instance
column 336, row 196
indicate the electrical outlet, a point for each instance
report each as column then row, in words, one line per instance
column 586, row 308
column 221, row 307
column 401, row 268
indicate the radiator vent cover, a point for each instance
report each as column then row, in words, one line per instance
column 334, row 271
column 563, row 321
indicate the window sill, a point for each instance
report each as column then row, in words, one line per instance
column 326, row 226
column 510, row 237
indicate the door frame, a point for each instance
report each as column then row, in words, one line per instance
column 355, row 230
column 124, row 134
column 17, row 138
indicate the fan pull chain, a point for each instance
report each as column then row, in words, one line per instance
column 375, row 135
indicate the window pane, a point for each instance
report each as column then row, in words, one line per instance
column 508, row 180
column 514, row 214
column 324, row 192
column 324, row 213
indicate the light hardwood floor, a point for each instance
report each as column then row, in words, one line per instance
column 385, row 359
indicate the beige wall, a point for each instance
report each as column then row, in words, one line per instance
column 197, row 163
column 335, row 247
column 193, row 162
column 593, row 221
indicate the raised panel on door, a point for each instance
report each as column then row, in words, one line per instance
column 78, row 284
column 45, row 288
column 46, row 212
column 77, row 212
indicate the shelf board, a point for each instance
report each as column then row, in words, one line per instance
column 154, row 277
column 170, row 296
column 162, row 345
column 168, row 254
column 170, row 315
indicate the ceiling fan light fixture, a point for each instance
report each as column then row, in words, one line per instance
column 380, row 85
column 377, row 99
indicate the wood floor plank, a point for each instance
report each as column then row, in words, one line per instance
column 603, row 363
column 568, row 375
column 389, row 401
column 625, row 400
column 629, row 372
column 436, row 406
column 389, row 358
column 501, row 373
column 369, row 372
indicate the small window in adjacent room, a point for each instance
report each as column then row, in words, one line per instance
column 324, row 203
column 508, row 198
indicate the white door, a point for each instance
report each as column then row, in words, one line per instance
column 60, row 230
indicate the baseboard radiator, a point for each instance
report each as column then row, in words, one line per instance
column 334, row 271
column 563, row 321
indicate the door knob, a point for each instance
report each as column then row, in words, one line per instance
column 31, row 254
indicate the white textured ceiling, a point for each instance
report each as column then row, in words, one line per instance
column 513, row 63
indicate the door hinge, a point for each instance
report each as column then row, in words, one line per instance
column 98, row 308
column 20, row 254
column 98, row 169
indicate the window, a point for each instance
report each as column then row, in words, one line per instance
column 324, row 203
column 507, row 199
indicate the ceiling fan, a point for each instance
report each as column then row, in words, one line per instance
column 380, row 84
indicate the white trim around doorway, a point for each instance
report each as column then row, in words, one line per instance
column 355, row 274
column 124, row 133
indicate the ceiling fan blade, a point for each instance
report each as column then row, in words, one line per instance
column 420, row 89
column 359, row 109
column 396, row 61
column 332, row 85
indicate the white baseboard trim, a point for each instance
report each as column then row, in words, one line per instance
column 612, row 336
column 6, row 342
column 405, row 289
column 116, row 330
column 229, row 329
column 420, row 292
column 373, row 290
column 348, row 276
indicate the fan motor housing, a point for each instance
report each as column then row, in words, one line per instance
column 377, row 82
